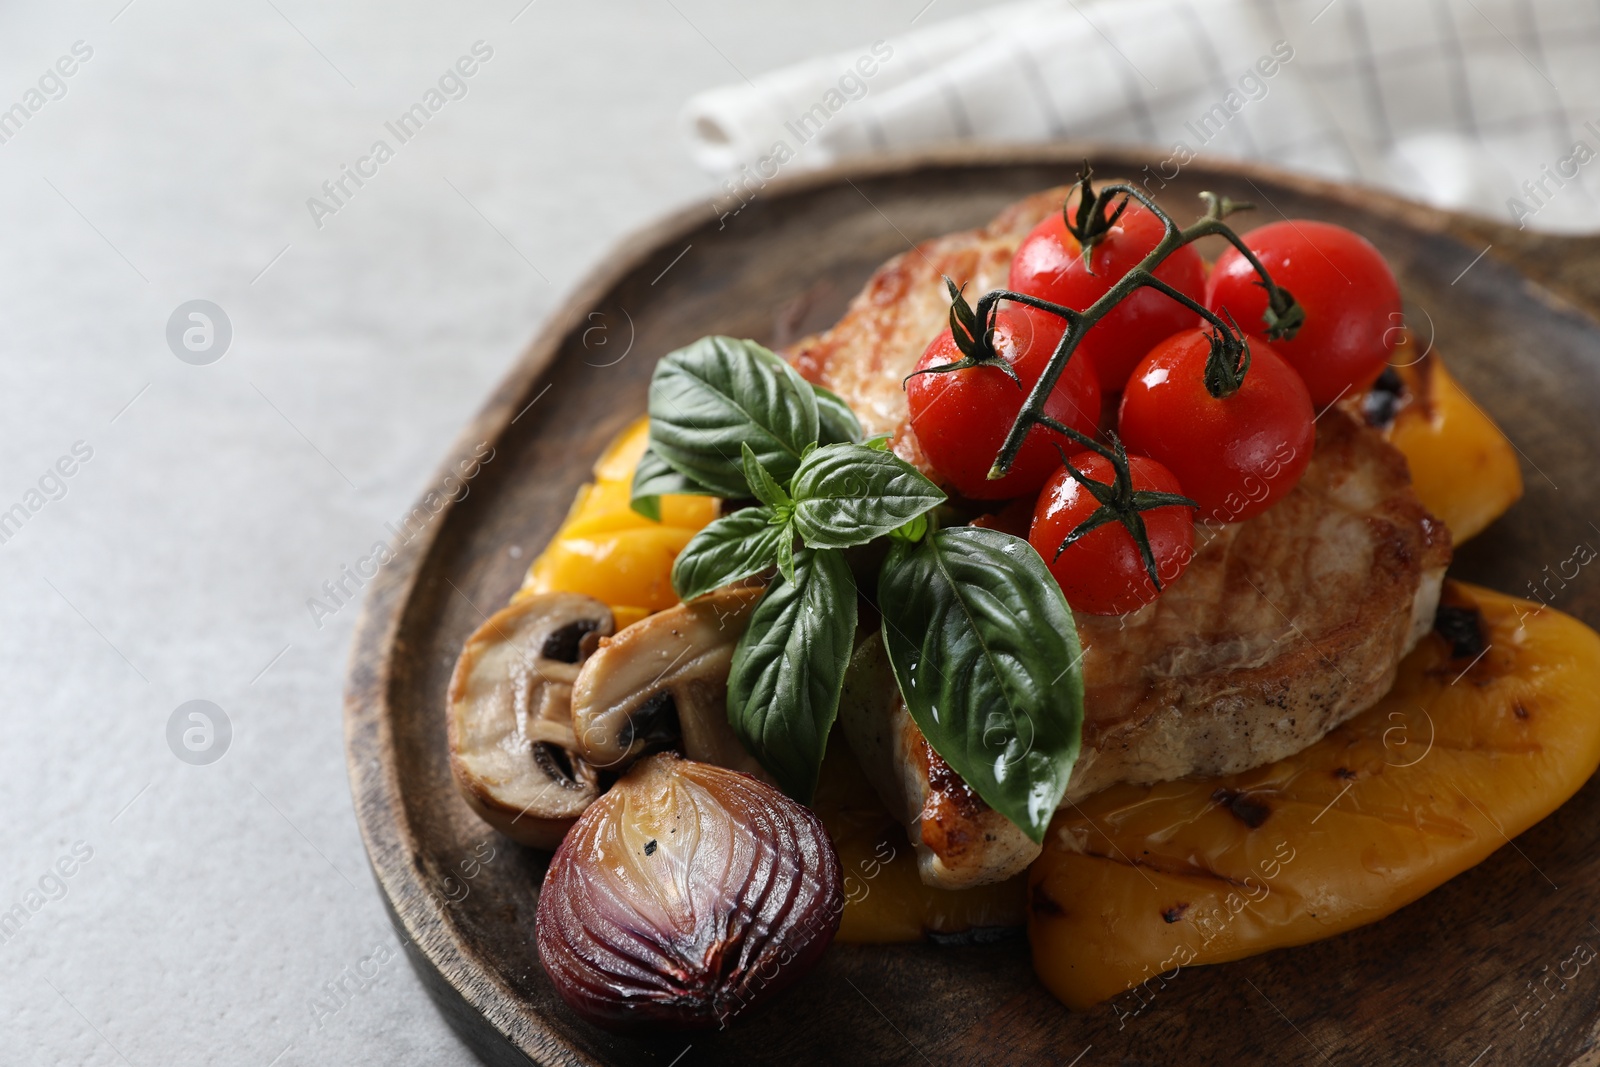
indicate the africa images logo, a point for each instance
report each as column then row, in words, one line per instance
column 52, row 85
column 338, row 191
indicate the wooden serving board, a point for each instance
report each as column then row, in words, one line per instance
column 1444, row 981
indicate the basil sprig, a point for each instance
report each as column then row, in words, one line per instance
column 981, row 640
column 730, row 418
column 986, row 653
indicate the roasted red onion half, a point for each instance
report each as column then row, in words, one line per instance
column 685, row 896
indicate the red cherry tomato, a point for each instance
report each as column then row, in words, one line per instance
column 1234, row 455
column 961, row 417
column 1103, row 573
column 1350, row 297
column 1049, row 265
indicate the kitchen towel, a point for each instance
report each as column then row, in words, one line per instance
column 1490, row 106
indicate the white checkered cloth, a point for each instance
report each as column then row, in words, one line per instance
column 1490, row 106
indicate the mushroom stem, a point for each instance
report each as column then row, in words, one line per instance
column 664, row 681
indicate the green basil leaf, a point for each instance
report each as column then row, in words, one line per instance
column 730, row 548
column 786, row 558
column 788, row 669
column 654, row 479
column 986, row 652
column 762, row 484
column 850, row 494
column 718, row 393
column 836, row 423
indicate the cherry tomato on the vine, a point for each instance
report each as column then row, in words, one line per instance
column 1350, row 297
column 1049, row 264
column 1103, row 572
column 1235, row 455
column 961, row 417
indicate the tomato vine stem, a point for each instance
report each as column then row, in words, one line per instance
column 1283, row 316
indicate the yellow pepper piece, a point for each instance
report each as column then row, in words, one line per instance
column 1464, row 470
column 617, row 462
column 884, row 898
column 607, row 550
column 1141, row 881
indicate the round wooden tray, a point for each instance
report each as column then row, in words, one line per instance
column 1442, row 981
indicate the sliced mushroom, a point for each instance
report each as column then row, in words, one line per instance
column 664, row 680
column 512, row 748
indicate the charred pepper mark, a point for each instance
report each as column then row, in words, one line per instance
column 1382, row 403
column 1174, row 913
column 1344, row 774
column 650, row 847
column 1250, row 810
column 1462, row 627
column 1520, row 711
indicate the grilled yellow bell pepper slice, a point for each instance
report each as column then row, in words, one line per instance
column 607, row 550
column 1138, row 883
column 1464, row 469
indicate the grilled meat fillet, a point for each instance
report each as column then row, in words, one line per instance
column 1281, row 628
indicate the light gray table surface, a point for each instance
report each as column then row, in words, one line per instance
column 219, row 901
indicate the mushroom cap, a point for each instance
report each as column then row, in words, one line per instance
column 512, row 748
column 664, row 680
